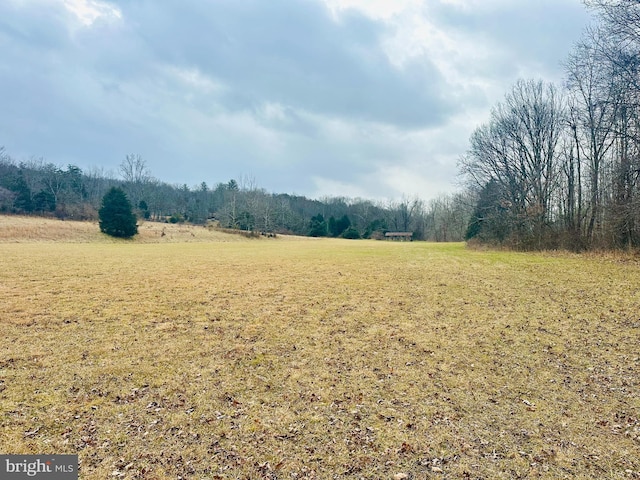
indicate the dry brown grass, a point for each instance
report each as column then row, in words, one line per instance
column 20, row 229
column 320, row 359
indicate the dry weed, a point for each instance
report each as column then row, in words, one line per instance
column 320, row 359
column 21, row 229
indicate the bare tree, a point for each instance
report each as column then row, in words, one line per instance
column 595, row 90
column 134, row 169
column 137, row 176
column 519, row 150
column 447, row 217
column 403, row 213
column 621, row 21
column 54, row 180
column 7, row 168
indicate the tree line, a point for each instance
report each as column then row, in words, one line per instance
column 560, row 166
column 553, row 167
column 37, row 187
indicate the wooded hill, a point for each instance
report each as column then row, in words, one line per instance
column 41, row 188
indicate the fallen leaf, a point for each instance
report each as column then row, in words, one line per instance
column 32, row 432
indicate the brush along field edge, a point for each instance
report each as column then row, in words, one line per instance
column 22, row 229
column 325, row 359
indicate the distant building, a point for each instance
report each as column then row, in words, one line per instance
column 400, row 236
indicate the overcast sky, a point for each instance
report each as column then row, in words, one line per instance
column 358, row 98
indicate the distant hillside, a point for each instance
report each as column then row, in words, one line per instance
column 25, row 229
column 36, row 187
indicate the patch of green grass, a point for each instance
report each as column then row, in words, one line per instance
column 320, row 359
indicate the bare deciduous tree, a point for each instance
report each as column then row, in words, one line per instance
column 519, row 150
column 595, row 91
column 136, row 174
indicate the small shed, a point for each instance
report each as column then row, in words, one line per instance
column 399, row 236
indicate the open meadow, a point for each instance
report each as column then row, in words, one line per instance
column 299, row 358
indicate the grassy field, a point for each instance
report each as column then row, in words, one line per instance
column 17, row 229
column 297, row 358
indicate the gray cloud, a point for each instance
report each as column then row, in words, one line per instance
column 302, row 99
column 293, row 53
column 522, row 35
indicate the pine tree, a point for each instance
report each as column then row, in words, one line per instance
column 318, row 226
column 116, row 216
column 23, row 201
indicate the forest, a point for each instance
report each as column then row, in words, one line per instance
column 560, row 166
column 554, row 166
column 37, row 187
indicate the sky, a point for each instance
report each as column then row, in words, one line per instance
column 371, row 99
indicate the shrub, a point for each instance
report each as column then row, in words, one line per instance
column 351, row 233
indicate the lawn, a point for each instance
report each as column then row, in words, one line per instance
column 299, row 358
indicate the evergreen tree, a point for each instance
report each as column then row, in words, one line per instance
column 337, row 227
column 116, row 216
column 490, row 221
column 351, row 233
column 44, row 201
column 23, row 201
column 333, row 229
column 144, row 209
column 318, row 226
column 376, row 229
